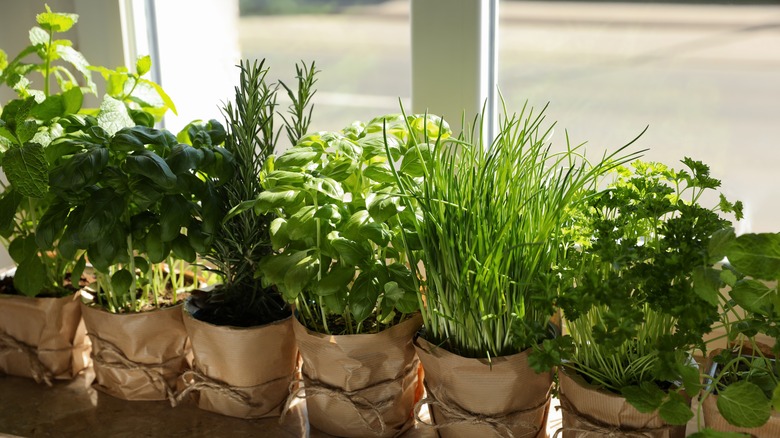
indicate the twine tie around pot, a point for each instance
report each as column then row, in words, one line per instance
column 592, row 428
column 502, row 425
column 39, row 371
column 361, row 405
column 120, row 360
column 197, row 381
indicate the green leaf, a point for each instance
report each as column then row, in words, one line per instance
column 275, row 267
column 182, row 249
column 757, row 255
column 150, row 165
column 183, row 158
column 113, row 116
column 363, row 296
column 56, row 21
column 163, row 95
column 776, row 398
column 30, row 277
column 351, row 252
column 77, row 60
column 379, row 172
column 744, row 404
column 411, row 164
column 51, row 224
column 23, row 248
column 72, row 100
column 675, row 410
column 79, row 171
column 752, row 295
column 706, row 284
column 26, row 130
column 301, row 273
column 143, row 64
column 156, row 251
column 382, row 206
column 121, row 281
column 27, row 170
column 297, row 157
column 9, row 203
column 50, row 108
column 78, row 270
column 691, row 379
column 278, row 231
column 38, row 37
column 174, row 215
column 646, row 397
column 268, row 200
column 336, row 280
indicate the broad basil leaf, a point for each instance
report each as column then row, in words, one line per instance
column 153, row 167
column 30, row 277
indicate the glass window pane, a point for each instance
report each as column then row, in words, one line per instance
column 703, row 76
column 361, row 47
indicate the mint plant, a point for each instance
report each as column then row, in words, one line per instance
column 45, row 110
column 747, row 375
column 631, row 293
column 339, row 234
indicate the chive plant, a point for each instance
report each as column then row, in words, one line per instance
column 490, row 220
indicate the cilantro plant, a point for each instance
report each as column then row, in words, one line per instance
column 747, row 375
column 243, row 238
column 489, row 229
column 339, row 235
column 631, row 299
column 47, row 108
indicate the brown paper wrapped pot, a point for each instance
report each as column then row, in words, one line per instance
column 241, row 372
column 473, row 398
column 589, row 411
column 137, row 356
column 363, row 385
column 42, row 338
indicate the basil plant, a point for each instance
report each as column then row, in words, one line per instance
column 342, row 232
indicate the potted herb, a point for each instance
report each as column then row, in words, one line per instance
column 742, row 392
column 489, row 232
column 43, row 337
column 632, row 309
column 132, row 199
column 241, row 331
column 341, row 260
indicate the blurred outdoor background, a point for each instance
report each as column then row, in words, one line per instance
column 703, row 75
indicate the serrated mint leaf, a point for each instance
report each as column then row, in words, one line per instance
column 143, row 65
column 706, row 284
column 743, row 404
column 38, row 36
column 757, row 255
column 56, row 21
column 645, row 398
column 113, row 116
column 26, row 170
column 79, row 62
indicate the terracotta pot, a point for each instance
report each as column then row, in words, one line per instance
column 589, row 411
column 362, row 385
column 137, row 356
column 476, row 398
column 241, row 372
column 42, row 338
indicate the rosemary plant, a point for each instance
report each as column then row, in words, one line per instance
column 490, row 227
column 243, row 238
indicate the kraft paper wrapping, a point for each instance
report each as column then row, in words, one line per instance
column 591, row 412
column 137, row 356
column 362, row 385
column 42, row 338
column 241, row 372
column 470, row 398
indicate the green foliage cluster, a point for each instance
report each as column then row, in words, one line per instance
column 489, row 229
column 342, row 231
column 747, row 376
column 32, row 124
column 632, row 292
column 243, row 238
